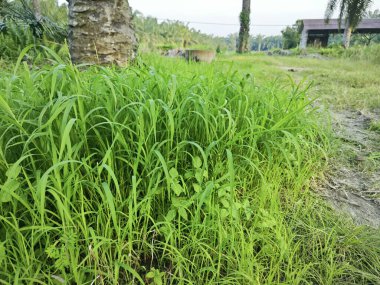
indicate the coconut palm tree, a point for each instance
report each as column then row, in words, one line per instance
column 244, row 27
column 351, row 12
column 101, row 32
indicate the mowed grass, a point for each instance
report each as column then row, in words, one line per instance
column 167, row 173
column 338, row 82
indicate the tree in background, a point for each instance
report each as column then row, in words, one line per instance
column 369, row 38
column 257, row 42
column 244, row 27
column 290, row 37
column 263, row 43
column 101, row 32
column 372, row 14
column 161, row 36
column 351, row 12
column 232, row 41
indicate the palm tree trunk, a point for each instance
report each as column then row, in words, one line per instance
column 244, row 27
column 37, row 9
column 347, row 35
column 101, row 31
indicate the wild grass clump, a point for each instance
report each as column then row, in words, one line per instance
column 366, row 53
column 369, row 53
column 166, row 173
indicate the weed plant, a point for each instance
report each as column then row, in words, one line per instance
column 166, row 173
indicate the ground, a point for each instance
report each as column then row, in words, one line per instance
column 348, row 91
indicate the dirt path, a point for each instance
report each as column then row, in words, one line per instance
column 353, row 186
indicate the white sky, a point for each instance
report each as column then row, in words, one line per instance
column 264, row 12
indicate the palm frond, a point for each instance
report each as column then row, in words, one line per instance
column 331, row 7
column 350, row 11
column 22, row 14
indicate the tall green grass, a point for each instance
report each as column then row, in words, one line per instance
column 369, row 53
column 166, row 173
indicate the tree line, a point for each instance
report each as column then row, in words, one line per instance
column 24, row 26
column 92, row 35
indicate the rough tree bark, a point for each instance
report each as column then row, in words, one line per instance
column 244, row 27
column 101, row 32
column 347, row 35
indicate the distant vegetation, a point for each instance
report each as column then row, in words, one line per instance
column 291, row 36
column 359, row 39
column 351, row 12
column 160, row 35
column 156, row 35
column 19, row 28
column 369, row 53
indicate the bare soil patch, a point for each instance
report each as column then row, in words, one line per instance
column 353, row 186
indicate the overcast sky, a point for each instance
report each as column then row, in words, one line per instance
column 264, row 12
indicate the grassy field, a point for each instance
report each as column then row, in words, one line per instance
column 173, row 173
column 338, row 82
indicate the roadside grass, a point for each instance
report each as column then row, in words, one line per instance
column 343, row 83
column 167, row 173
